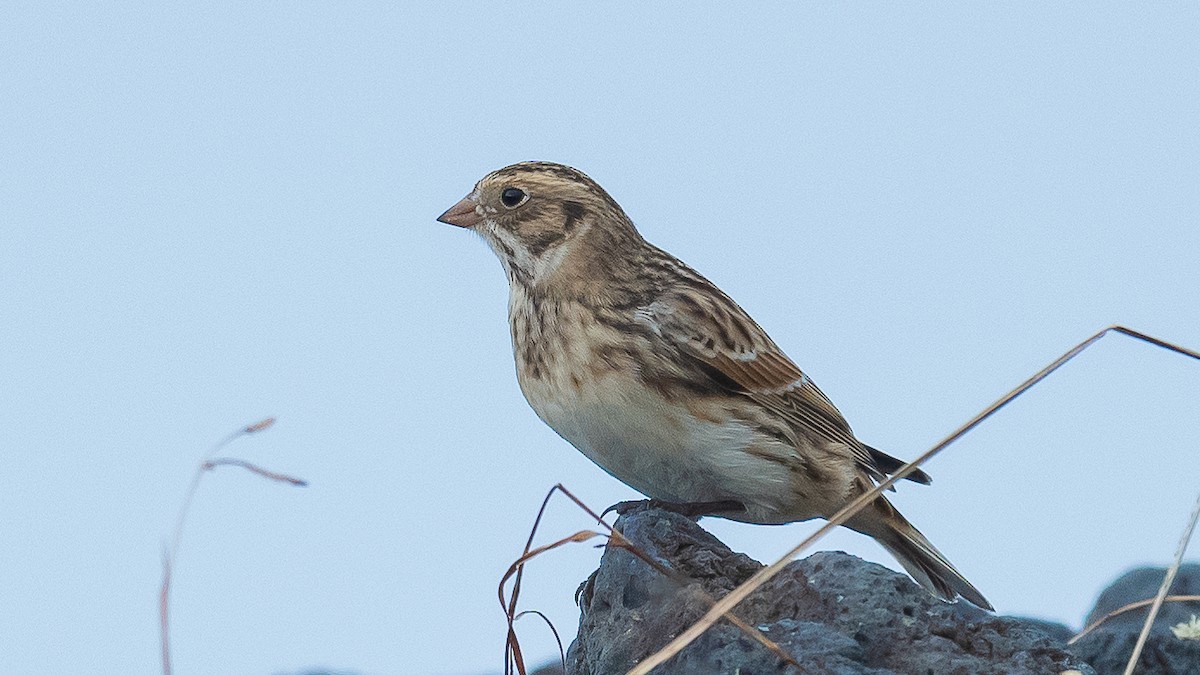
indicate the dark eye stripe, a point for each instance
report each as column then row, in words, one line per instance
column 573, row 212
column 537, row 244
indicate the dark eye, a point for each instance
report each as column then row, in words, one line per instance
column 513, row 197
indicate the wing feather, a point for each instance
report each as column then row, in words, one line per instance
column 711, row 328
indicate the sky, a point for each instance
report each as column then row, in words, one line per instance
column 212, row 213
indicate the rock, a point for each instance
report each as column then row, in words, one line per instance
column 1059, row 631
column 1108, row 647
column 833, row 612
column 1143, row 583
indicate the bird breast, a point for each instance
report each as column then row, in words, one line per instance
column 581, row 377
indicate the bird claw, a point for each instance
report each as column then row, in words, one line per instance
column 583, row 594
column 621, row 508
column 689, row 510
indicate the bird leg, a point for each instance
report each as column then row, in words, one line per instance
column 690, row 509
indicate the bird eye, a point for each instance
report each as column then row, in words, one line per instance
column 513, row 197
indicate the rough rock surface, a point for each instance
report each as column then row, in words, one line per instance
column 832, row 612
column 1109, row 646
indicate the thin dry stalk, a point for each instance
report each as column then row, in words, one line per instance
column 750, row 631
column 206, row 464
column 1168, row 578
column 1128, row 608
column 254, row 468
column 513, row 656
column 512, row 647
column 750, row 585
column 562, row 653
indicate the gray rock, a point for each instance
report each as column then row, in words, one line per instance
column 1059, row 631
column 832, row 612
column 1143, row 583
column 1108, row 647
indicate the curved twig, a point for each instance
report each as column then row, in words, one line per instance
column 562, row 653
column 513, row 657
column 207, row 463
column 1128, row 608
column 512, row 647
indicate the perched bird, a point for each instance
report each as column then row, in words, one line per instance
column 659, row 377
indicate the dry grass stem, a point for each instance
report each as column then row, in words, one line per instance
column 512, row 647
column 514, row 660
column 1168, row 578
column 206, row 464
column 254, row 468
column 1128, row 608
column 740, row 593
column 562, row 653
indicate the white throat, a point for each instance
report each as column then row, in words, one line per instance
column 508, row 247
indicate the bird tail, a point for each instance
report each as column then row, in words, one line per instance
column 914, row 552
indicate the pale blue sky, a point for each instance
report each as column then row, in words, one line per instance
column 214, row 213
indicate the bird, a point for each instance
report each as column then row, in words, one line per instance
column 660, row 378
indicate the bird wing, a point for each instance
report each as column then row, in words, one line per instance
column 712, row 329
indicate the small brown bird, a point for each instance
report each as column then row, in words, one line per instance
column 660, row 378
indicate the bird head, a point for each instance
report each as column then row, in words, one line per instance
column 546, row 222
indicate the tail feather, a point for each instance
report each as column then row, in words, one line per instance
column 918, row 556
column 890, row 465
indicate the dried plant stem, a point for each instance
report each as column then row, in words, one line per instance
column 513, row 657
column 1168, row 578
column 752, row 632
column 562, row 652
column 201, row 468
column 512, row 647
column 1128, row 608
column 206, row 464
column 740, row 593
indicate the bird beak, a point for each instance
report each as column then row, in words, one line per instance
column 462, row 214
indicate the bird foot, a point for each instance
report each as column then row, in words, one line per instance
column 583, row 594
column 689, row 510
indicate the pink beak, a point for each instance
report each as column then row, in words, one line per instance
column 462, row 214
